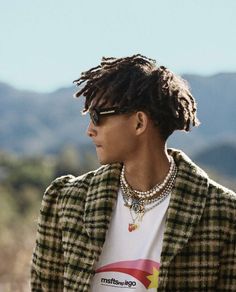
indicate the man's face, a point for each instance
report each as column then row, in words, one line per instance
column 114, row 138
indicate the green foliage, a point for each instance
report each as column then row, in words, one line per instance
column 22, row 184
column 68, row 161
column 24, row 179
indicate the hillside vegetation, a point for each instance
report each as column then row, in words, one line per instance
column 32, row 123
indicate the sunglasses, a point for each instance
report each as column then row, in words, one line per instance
column 96, row 113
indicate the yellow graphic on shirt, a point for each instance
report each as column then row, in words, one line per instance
column 153, row 278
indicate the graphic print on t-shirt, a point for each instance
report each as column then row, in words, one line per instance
column 129, row 261
column 143, row 270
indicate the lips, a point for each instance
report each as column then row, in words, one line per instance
column 97, row 145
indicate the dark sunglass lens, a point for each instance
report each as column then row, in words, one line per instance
column 94, row 117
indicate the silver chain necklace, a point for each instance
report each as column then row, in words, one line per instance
column 138, row 203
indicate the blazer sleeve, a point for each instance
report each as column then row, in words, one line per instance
column 47, row 261
column 227, row 268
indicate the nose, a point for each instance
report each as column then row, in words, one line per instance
column 91, row 131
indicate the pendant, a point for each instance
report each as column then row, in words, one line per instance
column 133, row 227
column 137, row 206
column 126, row 204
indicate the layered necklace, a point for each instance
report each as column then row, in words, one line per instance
column 139, row 203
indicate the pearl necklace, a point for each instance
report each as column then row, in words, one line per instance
column 156, row 188
column 138, row 203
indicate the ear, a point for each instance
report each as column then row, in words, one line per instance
column 141, row 122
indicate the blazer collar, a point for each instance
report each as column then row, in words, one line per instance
column 186, row 206
column 100, row 202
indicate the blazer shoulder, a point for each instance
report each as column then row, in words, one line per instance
column 69, row 182
column 60, row 182
column 67, row 187
column 224, row 200
column 222, row 192
column 103, row 172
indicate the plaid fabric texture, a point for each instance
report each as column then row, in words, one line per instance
column 199, row 247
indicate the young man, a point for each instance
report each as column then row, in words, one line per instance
column 149, row 219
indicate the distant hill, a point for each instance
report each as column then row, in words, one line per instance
column 37, row 123
column 216, row 98
column 221, row 157
column 32, row 123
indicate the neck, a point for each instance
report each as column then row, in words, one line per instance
column 147, row 168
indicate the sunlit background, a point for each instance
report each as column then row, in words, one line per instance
column 44, row 45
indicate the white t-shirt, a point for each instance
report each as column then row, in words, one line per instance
column 130, row 261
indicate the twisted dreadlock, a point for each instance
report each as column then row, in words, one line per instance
column 137, row 83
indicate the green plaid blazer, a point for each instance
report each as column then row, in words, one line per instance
column 199, row 247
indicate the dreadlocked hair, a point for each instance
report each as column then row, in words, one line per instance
column 137, row 83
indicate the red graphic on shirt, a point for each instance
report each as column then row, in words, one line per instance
column 146, row 271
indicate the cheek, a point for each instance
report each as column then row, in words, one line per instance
column 122, row 142
column 118, row 137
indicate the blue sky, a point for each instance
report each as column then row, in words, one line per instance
column 45, row 45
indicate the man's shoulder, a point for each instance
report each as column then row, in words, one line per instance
column 191, row 171
column 70, row 181
column 70, row 186
column 222, row 192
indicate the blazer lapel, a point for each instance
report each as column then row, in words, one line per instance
column 100, row 201
column 186, row 207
